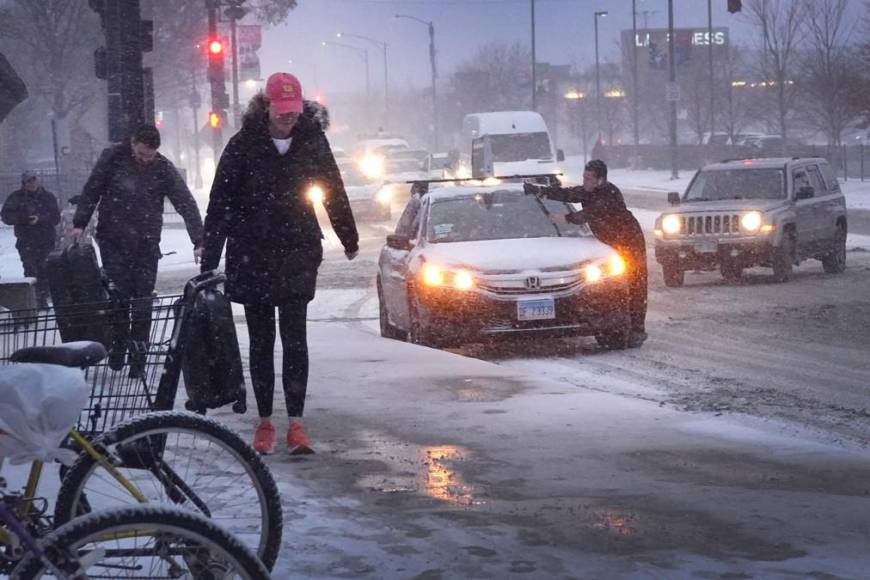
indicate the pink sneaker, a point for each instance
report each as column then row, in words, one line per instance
column 264, row 437
column 298, row 442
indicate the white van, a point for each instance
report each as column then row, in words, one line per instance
column 510, row 143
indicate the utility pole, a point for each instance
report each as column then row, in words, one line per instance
column 634, row 91
column 431, row 26
column 534, row 77
column 710, row 57
column 130, row 90
column 672, row 78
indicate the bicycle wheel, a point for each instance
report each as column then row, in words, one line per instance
column 186, row 460
column 145, row 541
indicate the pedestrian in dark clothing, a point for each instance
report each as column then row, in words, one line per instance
column 34, row 213
column 128, row 185
column 611, row 222
column 260, row 207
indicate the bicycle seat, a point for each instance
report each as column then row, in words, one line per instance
column 79, row 354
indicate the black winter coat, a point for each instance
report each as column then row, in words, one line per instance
column 259, row 206
column 17, row 210
column 131, row 198
column 605, row 211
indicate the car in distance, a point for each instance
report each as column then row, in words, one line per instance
column 476, row 262
column 370, row 199
column 773, row 212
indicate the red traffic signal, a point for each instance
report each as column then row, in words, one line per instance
column 215, row 46
column 735, row 6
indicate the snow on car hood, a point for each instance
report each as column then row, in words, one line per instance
column 517, row 254
column 729, row 205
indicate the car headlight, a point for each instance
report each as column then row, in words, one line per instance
column 671, row 224
column 436, row 276
column 384, row 194
column 372, row 166
column 751, row 221
column 614, row 266
column 315, row 194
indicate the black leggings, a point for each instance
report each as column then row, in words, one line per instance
column 261, row 329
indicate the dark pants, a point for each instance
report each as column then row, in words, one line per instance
column 637, row 283
column 132, row 268
column 33, row 261
column 294, row 341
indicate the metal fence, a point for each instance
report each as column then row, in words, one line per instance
column 851, row 162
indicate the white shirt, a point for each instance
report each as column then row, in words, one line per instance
column 283, row 145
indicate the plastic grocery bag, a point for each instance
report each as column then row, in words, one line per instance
column 39, row 404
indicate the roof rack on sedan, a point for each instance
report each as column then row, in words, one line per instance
column 422, row 185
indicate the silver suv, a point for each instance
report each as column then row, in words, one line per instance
column 754, row 212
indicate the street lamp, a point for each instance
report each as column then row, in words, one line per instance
column 431, row 28
column 382, row 45
column 365, row 56
column 598, row 74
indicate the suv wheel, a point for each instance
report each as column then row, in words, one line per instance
column 387, row 329
column 731, row 270
column 783, row 259
column 673, row 275
column 835, row 262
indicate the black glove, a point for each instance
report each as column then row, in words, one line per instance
column 532, row 189
column 576, row 218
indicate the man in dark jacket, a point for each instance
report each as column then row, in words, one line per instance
column 128, row 185
column 260, row 207
column 34, row 213
column 611, row 222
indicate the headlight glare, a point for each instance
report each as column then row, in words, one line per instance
column 751, row 221
column 372, row 166
column 433, row 275
column 593, row 273
column 671, row 224
column 463, row 280
column 384, row 195
column 617, row 265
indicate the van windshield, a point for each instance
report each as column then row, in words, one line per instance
column 520, row 147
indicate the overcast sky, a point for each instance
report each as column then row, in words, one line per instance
column 564, row 34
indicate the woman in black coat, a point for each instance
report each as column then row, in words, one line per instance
column 259, row 206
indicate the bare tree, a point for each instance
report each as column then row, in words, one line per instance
column 496, row 78
column 781, row 32
column 828, row 71
column 736, row 103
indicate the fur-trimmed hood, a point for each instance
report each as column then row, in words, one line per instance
column 257, row 114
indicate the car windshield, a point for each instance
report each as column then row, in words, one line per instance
column 520, row 147
column 745, row 183
column 497, row 215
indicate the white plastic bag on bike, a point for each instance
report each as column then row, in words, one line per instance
column 39, row 404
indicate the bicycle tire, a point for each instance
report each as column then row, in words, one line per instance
column 87, row 485
column 192, row 538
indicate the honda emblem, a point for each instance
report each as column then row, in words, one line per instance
column 533, row 282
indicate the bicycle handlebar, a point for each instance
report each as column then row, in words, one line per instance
column 204, row 280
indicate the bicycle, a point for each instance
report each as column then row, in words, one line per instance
column 171, row 539
column 171, row 457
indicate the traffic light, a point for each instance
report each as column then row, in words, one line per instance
column 217, row 119
column 216, row 56
column 735, row 6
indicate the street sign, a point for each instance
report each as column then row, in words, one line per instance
column 672, row 92
column 250, row 39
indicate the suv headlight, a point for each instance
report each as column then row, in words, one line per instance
column 435, row 276
column 613, row 266
column 671, row 224
column 751, row 221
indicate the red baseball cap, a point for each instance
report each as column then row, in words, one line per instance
column 285, row 93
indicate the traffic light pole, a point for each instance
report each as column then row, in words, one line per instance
column 217, row 84
column 237, row 112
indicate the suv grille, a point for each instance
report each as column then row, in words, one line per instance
column 718, row 224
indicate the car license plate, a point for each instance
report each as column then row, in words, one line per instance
column 707, row 246
column 537, row 309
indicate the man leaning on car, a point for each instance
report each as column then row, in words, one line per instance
column 611, row 222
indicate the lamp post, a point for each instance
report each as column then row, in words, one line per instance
column 431, row 28
column 534, row 75
column 598, row 74
column 365, row 56
column 383, row 46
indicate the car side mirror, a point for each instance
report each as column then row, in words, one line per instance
column 673, row 198
column 399, row 242
column 805, row 192
column 560, row 155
